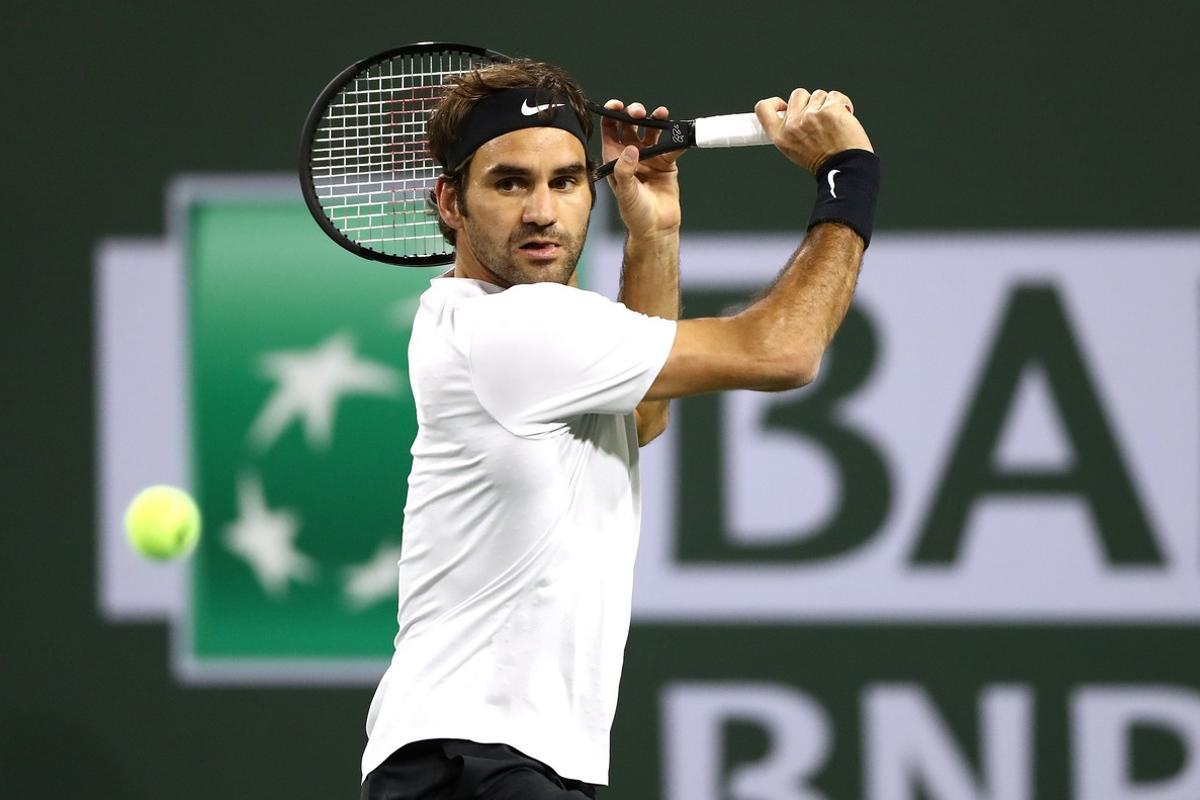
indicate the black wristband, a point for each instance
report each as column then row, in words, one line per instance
column 847, row 191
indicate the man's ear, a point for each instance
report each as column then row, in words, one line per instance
column 447, row 203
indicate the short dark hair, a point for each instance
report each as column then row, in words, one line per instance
column 446, row 122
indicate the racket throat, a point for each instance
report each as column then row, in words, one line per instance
column 678, row 135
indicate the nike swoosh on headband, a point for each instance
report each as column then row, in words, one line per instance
column 529, row 110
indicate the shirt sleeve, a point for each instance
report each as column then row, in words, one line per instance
column 544, row 352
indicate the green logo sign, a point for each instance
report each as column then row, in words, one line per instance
column 302, row 424
column 297, row 425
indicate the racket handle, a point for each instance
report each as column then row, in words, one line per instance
column 730, row 130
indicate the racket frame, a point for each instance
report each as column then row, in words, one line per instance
column 678, row 134
column 317, row 113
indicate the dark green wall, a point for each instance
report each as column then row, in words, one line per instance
column 1044, row 115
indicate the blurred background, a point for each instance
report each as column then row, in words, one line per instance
column 963, row 564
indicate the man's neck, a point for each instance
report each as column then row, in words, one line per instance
column 467, row 266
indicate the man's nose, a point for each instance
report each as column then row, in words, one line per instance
column 540, row 207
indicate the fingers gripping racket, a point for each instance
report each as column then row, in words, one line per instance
column 365, row 167
column 726, row 130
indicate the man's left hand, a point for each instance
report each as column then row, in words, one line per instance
column 647, row 191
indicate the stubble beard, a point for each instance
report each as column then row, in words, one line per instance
column 498, row 257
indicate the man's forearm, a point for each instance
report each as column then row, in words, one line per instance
column 650, row 284
column 650, row 275
column 802, row 310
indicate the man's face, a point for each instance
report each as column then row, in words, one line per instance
column 528, row 202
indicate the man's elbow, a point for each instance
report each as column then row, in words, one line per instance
column 808, row 367
column 779, row 359
column 797, row 370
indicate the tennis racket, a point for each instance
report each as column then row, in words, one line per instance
column 365, row 168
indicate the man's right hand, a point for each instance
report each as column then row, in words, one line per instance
column 813, row 127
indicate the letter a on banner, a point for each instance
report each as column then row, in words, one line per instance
column 1035, row 331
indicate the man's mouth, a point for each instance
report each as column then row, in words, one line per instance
column 541, row 248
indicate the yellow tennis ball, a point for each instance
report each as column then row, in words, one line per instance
column 162, row 523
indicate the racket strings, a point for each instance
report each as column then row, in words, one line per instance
column 370, row 162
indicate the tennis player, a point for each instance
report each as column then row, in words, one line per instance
column 533, row 397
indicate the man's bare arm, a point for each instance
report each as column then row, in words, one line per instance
column 650, row 284
column 778, row 342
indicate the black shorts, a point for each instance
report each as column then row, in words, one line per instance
column 452, row 769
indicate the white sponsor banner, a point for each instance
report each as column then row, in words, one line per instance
column 937, row 304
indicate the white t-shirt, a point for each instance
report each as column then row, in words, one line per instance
column 522, row 522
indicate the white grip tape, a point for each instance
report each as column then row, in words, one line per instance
column 730, row 130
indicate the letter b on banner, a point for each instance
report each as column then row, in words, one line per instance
column 862, row 484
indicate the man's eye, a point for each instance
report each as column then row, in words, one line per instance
column 565, row 182
column 507, row 184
